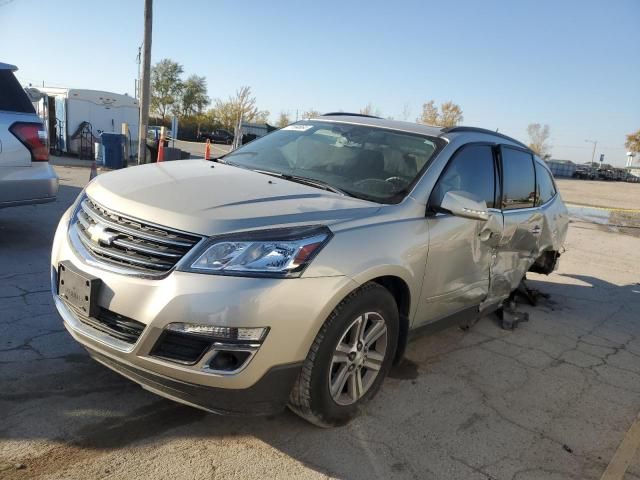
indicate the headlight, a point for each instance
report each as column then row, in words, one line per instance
column 271, row 253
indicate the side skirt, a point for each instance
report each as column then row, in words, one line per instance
column 464, row 319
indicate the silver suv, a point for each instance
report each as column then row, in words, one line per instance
column 25, row 174
column 293, row 270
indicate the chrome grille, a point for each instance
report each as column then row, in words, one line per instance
column 116, row 239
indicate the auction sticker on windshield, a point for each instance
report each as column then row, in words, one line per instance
column 298, row 128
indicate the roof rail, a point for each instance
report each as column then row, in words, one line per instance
column 483, row 130
column 8, row 66
column 347, row 114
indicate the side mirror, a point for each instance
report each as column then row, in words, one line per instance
column 463, row 204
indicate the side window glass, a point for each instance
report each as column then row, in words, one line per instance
column 518, row 179
column 545, row 189
column 471, row 170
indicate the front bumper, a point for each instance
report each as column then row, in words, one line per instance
column 292, row 309
column 268, row 395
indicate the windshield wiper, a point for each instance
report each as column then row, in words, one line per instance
column 312, row 182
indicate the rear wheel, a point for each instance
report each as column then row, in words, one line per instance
column 348, row 359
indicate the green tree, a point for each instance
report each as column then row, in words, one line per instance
column 193, row 98
column 166, row 87
column 632, row 143
column 283, row 120
column 539, row 139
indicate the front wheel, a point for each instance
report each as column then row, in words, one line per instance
column 348, row 359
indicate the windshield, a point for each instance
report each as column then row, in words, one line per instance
column 364, row 162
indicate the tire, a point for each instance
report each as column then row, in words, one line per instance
column 311, row 397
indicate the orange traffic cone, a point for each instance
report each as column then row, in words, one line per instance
column 161, row 150
column 94, row 171
column 207, row 150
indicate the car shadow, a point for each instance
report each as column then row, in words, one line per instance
column 64, row 397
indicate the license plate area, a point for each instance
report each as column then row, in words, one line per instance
column 79, row 289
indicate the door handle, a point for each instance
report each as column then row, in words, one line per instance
column 485, row 235
column 536, row 230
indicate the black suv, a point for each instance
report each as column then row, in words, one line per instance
column 218, row 136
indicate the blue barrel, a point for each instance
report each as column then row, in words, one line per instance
column 113, row 150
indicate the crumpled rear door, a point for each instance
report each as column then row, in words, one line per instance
column 519, row 246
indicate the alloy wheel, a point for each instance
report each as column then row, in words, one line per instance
column 357, row 358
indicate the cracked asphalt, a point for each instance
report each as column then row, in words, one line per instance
column 551, row 400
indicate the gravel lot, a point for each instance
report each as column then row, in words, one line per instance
column 600, row 194
column 552, row 400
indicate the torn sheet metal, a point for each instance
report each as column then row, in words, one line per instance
column 526, row 234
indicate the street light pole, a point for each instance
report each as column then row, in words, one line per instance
column 593, row 154
column 145, row 87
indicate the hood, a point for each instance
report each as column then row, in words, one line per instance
column 208, row 198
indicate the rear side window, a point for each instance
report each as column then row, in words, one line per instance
column 518, row 179
column 545, row 189
column 471, row 170
column 13, row 98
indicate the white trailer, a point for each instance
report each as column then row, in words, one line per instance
column 70, row 113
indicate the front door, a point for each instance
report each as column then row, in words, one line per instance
column 460, row 250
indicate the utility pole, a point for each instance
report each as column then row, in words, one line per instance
column 145, row 87
column 593, row 154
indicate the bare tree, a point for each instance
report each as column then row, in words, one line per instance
column 369, row 109
column 311, row 113
column 283, row 119
column 538, row 139
column 406, row 112
column 241, row 105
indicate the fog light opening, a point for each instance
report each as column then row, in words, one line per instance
column 229, row 360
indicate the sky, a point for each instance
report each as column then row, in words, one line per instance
column 571, row 64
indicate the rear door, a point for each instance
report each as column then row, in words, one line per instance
column 523, row 221
column 15, row 106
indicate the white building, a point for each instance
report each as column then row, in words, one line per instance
column 633, row 164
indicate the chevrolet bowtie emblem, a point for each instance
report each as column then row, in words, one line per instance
column 98, row 234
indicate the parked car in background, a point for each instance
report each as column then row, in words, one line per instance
column 25, row 174
column 218, row 135
column 297, row 279
column 154, row 131
column 605, row 174
column 584, row 173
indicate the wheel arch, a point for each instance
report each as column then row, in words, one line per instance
column 401, row 293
